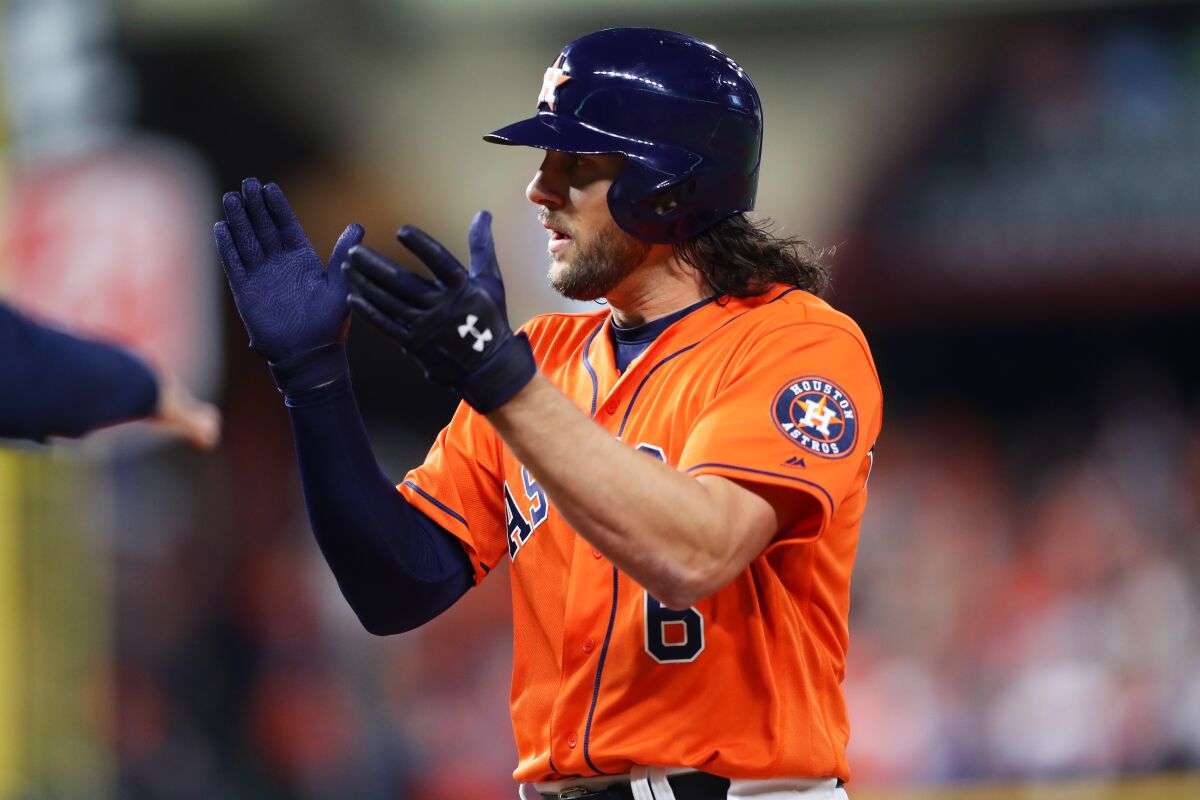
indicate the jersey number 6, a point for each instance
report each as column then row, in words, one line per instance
column 672, row 636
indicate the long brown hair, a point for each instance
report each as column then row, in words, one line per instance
column 741, row 257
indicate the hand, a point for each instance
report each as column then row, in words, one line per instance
column 294, row 309
column 196, row 422
column 456, row 327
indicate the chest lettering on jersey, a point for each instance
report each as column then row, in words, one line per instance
column 672, row 636
column 522, row 523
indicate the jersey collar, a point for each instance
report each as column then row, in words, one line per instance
column 710, row 315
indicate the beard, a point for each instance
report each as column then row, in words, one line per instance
column 597, row 264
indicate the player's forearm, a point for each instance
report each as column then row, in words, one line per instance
column 670, row 532
column 396, row 568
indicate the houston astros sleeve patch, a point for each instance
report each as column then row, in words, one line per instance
column 816, row 415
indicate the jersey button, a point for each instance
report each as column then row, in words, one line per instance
column 572, row 740
column 611, row 407
column 589, row 645
column 596, row 553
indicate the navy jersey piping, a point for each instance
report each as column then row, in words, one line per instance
column 587, row 346
column 681, row 351
column 435, row 501
column 587, row 732
column 632, row 400
column 816, row 486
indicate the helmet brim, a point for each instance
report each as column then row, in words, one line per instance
column 549, row 131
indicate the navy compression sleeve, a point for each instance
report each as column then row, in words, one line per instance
column 55, row 384
column 396, row 567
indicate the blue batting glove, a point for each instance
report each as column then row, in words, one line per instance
column 456, row 327
column 294, row 309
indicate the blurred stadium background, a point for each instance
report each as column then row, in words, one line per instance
column 1014, row 191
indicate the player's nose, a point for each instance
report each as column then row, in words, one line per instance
column 551, row 182
column 543, row 191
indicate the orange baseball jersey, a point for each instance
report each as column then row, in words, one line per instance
column 778, row 389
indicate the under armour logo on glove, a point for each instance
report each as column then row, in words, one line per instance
column 424, row 315
column 468, row 327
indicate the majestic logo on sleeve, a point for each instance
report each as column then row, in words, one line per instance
column 556, row 75
column 817, row 415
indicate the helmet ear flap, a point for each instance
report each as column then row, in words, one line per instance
column 664, row 215
column 669, row 199
column 653, row 216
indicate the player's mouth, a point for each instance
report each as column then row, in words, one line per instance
column 559, row 238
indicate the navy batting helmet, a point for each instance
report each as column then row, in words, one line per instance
column 686, row 117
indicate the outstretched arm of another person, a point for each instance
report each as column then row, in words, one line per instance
column 55, row 384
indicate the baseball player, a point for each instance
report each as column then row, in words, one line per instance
column 677, row 478
column 56, row 384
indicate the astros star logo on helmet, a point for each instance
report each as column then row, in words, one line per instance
column 556, row 75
